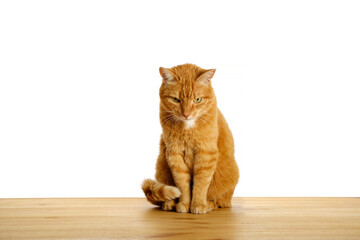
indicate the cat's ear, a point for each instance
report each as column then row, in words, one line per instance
column 167, row 75
column 206, row 76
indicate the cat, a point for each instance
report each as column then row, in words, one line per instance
column 196, row 169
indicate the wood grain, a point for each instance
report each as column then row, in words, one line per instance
column 134, row 218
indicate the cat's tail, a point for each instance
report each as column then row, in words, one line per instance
column 156, row 192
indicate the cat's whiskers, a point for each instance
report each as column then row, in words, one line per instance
column 167, row 123
column 209, row 114
column 169, row 120
column 203, row 121
column 205, row 117
column 166, row 116
column 170, row 116
column 203, row 124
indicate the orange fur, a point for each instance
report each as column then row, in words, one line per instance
column 196, row 146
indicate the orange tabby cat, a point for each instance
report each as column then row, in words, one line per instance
column 196, row 146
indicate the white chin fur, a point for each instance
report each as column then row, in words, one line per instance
column 189, row 123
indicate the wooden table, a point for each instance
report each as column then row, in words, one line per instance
column 134, row 218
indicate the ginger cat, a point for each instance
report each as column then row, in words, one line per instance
column 196, row 146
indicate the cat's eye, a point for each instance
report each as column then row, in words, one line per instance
column 175, row 99
column 198, row 100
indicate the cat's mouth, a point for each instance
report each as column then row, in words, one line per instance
column 188, row 119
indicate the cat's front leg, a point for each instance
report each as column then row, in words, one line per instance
column 204, row 168
column 181, row 175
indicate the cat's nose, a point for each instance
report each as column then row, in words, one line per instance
column 186, row 114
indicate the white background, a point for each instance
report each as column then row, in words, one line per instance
column 79, row 87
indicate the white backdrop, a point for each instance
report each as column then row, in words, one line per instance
column 79, row 87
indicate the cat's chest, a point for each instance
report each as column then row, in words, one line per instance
column 188, row 151
column 186, row 144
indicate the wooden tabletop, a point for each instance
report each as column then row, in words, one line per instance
column 134, row 218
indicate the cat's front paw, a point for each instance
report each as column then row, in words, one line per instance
column 182, row 207
column 200, row 208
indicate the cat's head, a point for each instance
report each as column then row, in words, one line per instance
column 186, row 94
